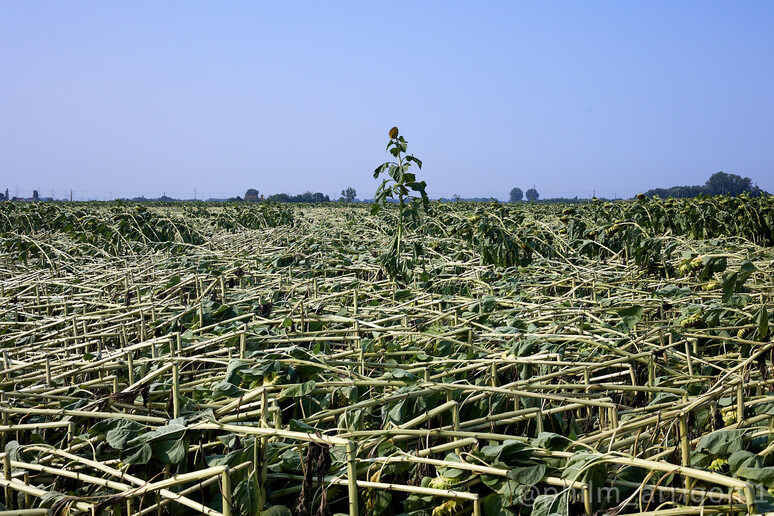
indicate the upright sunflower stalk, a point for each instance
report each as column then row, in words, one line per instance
column 401, row 183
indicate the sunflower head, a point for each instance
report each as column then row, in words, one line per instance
column 640, row 196
column 393, row 133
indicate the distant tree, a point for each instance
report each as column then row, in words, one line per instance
column 349, row 194
column 516, row 195
column 721, row 183
column 251, row 194
column 532, row 195
column 280, row 197
column 35, row 196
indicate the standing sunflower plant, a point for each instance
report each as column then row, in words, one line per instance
column 412, row 200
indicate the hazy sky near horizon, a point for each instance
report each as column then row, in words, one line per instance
column 613, row 97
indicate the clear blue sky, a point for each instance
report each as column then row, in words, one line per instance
column 139, row 97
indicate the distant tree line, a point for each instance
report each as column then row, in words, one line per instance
column 304, row 197
column 719, row 183
column 252, row 195
column 35, row 197
column 457, row 198
column 347, row 195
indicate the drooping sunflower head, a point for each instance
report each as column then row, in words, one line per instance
column 393, row 133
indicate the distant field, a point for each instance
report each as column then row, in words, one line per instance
column 205, row 358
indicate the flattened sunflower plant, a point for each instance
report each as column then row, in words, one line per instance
column 412, row 200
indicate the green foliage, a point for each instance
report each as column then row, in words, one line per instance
column 631, row 315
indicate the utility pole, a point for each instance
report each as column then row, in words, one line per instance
column 71, row 195
column 194, row 194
